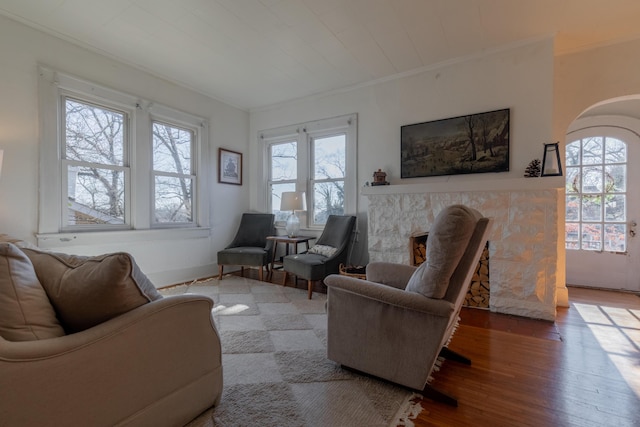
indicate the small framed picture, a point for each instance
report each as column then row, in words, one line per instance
column 229, row 166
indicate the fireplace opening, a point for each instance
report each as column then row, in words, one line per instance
column 479, row 289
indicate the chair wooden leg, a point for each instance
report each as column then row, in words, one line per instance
column 284, row 280
column 310, row 287
column 241, row 271
column 452, row 355
column 220, row 268
column 438, row 396
column 260, row 276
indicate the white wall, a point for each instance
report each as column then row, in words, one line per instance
column 164, row 259
column 520, row 78
column 586, row 78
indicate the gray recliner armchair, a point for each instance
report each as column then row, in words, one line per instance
column 396, row 324
column 250, row 246
column 324, row 258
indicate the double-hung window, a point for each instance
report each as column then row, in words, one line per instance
column 112, row 161
column 173, row 174
column 94, row 164
column 317, row 158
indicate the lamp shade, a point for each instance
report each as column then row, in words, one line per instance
column 292, row 201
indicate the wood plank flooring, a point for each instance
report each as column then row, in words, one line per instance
column 583, row 370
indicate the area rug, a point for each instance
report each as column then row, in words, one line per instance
column 276, row 372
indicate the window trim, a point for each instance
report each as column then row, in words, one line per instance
column 303, row 134
column 53, row 86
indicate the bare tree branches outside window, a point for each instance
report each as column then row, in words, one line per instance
column 329, row 171
column 94, row 151
column 95, row 157
column 172, row 155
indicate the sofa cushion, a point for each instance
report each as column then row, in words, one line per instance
column 86, row 291
column 25, row 311
column 447, row 242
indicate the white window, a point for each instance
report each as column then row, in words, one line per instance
column 94, row 164
column 317, row 158
column 111, row 161
column 173, row 174
column 596, row 192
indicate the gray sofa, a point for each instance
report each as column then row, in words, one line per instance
column 89, row 341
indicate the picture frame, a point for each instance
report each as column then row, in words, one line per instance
column 229, row 166
column 475, row 143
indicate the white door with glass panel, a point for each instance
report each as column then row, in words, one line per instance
column 602, row 208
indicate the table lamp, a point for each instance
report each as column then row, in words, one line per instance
column 292, row 201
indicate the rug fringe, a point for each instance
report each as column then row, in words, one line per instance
column 408, row 412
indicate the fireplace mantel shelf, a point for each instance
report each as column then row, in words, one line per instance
column 517, row 184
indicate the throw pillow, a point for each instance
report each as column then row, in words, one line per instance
column 447, row 242
column 323, row 250
column 25, row 311
column 86, row 291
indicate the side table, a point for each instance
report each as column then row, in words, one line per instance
column 293, row 241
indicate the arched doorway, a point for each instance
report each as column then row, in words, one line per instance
column 602, row 196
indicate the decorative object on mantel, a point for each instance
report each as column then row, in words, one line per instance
column 533, row 170
column 551, row 165
column 379, row 178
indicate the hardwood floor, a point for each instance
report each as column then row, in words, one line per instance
column 583, row 370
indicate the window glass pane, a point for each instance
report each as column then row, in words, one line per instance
column 276, row 198
column 173, row 199
column 93, row 134
column 615, row 178
column 592, row 150
column 573, row 154
column 328, row 200
column 573, row 180
column 614, row 208
column 592, row 237
column 172, row 148
column 615, row 151
column 571, row 235
column 573, row 208
column 614, row 237
column 592, row 180
column 284, row 162
column 592, row 208
column 329, row 157
column 95, row 196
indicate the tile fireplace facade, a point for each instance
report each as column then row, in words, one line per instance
column 524, row 239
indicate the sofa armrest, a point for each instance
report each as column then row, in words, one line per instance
column 115, row 372
column 389, row 295
column 396, row 275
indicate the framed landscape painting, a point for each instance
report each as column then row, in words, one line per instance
column 475, row 143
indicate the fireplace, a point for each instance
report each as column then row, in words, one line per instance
column 526, row 248
column 480, row 287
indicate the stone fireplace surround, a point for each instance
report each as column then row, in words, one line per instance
column 524, row 239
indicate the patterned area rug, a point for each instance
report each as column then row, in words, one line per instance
column 275, row 368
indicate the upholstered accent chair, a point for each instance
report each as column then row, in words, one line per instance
column 324, row 258
column 397, row 322
column 88, row 341
column 250, row 246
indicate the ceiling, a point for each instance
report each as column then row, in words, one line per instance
column 253, row 53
